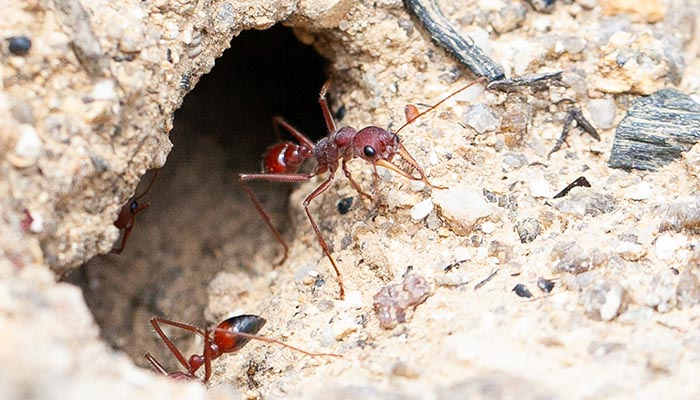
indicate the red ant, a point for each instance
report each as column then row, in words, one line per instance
column 127, row 215
column 375, row 145
column 228, row 337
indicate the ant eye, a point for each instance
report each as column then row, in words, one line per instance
column 369, row 151
column 133, row 206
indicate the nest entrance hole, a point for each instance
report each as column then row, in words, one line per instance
column 200, row 222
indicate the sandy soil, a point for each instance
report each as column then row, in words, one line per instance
column 621, row 320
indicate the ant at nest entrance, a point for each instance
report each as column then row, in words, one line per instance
column 200, row 222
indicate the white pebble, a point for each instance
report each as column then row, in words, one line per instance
column 613, row 301
column 29, row 145
column 37, row 224
column 104, row 90
column 462, row 206
column 488, row 227
column 481, row 118
column 421, row 210
column 667, row 244
column 461, row 253
column 639, row 192
column 602, row 112
column 540, row 188
column 353, row 299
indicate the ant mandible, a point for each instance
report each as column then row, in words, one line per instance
column 373, row 144
column 228, row 337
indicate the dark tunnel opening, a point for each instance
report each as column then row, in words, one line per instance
column 200, row 222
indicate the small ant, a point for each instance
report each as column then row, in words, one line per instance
column 125, row 219
column 228, row 337
column 373, row 144
column 127, row 215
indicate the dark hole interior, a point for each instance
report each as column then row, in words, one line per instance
column 200, row 222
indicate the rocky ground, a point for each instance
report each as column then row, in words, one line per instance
column 437, row 280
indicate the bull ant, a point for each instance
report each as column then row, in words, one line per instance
column 373, row 144
column 228, row 337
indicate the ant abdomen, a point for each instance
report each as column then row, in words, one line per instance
column 285, row 157
column 225, row 335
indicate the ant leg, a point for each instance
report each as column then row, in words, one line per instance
column 148, row 188
column 266, row 219
column 352, row 181
column 171, row 346
column 322, row 242
column 243, row 178
column 207, row 354
column 156, row 365
column 330, row 124
column 278, row 121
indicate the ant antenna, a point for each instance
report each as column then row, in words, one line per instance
column 270, row 340
column 472, row 83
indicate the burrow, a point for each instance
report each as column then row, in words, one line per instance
column 199, row 221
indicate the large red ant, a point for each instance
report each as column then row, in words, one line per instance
column 375, row 145
column 228, row 337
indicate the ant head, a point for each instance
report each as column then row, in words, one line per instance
column 382, row 148
column 374, row 144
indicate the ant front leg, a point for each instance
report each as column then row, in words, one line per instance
column 321, row 241
column 352, row 181
column 330, row 124
column 244, row 178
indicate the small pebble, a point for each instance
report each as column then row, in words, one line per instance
column 540, row 188
column 353, row 299
column 28, row 147
column 462, row 206
column 461, row 253
column 37, row 224
column 528, row 229
column 602, row 112
column 421, row 210
column 545, row 285
column 666, row 245
column 488, row 227
column 522, row 291
column 612, row 304
column 19, row 45
column 481, row 118
column 104, row 90
column 513, row 161
column 344, row 205
column 639, row 192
